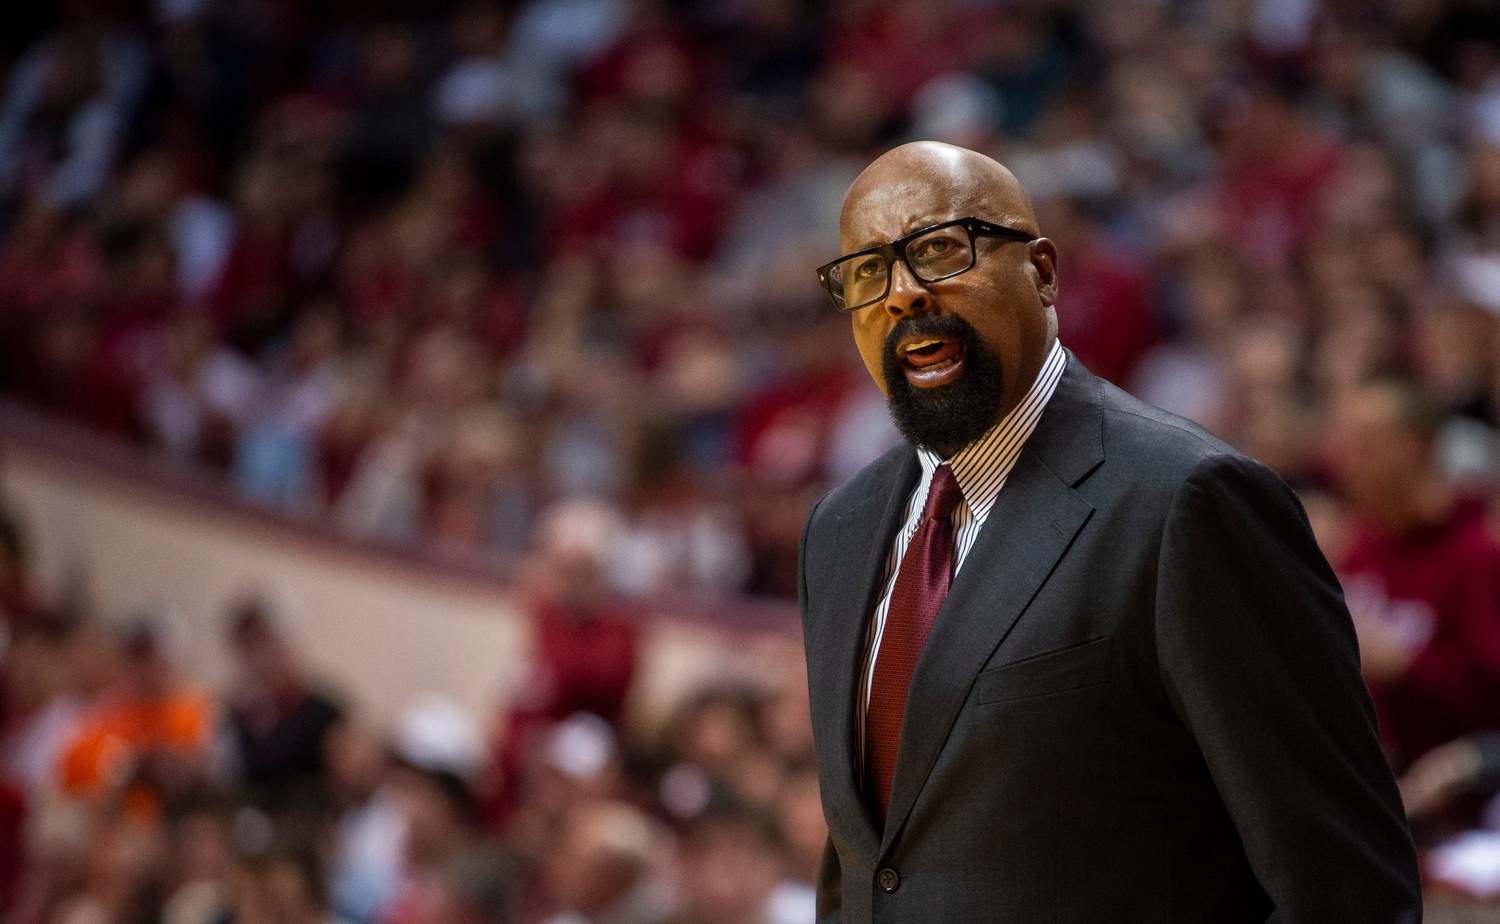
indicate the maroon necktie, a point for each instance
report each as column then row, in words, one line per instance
column 921, row 584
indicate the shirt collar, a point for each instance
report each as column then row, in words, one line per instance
column 982, row 466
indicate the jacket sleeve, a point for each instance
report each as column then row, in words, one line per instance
column 830, row 877
column 1259, row 658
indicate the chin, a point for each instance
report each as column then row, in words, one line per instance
column 944, row 385
column 945, row 418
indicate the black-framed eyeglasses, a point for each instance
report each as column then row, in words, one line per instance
column 932, row 253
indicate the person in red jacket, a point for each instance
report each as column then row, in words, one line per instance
column 1421, row 577
column 585, row 656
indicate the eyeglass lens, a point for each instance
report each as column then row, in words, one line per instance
column 865, row 278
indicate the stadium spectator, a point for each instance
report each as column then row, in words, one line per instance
column 279, row 723
column 437, row 749
column 586, row 642
column 607, row 867
column 278, row 884
column 1422, row 576
column 480, row 887
column 144, row 740
column 730, row 869
column 67, row 108
column 369, row 825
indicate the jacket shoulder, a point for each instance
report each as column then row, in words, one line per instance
column 1156, row 444
column 866, row 484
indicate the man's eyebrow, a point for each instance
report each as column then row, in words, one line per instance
column 914, row 224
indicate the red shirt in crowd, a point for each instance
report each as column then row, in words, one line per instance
column 584, row 663
column 12, row 831
column 1438, row 585
column 1108, row 322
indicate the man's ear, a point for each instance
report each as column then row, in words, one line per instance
column 1044, row 261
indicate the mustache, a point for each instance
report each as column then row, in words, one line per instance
column 946, row 326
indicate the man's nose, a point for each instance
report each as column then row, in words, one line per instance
column 908, row 296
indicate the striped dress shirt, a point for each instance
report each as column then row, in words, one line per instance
column 981, row 469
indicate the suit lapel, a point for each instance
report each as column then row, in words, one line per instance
column 1035, row 518
column 1031, row 525
column 864, row 540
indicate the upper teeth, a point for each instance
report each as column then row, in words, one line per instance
column 921, row 345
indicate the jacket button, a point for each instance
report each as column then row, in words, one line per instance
column 888, row 880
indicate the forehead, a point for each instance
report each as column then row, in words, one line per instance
column 896, row 206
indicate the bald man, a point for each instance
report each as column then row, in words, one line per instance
column 1072, row 659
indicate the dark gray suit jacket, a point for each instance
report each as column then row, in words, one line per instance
column 1141, row 701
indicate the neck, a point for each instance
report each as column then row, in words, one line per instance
column 1025, row 380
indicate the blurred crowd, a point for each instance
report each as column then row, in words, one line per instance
column 423, row 270
column 130, row 794
column 445, row 274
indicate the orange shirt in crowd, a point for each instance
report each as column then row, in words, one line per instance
column 113, row 738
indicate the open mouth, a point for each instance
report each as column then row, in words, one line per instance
column 929, row 361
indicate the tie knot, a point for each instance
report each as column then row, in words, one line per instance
column 943, row 495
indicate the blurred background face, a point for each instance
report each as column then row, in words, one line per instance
column 264, row 658
column 145, row 672
column 1376, row 456
column 601, row 854
column 356, row 762
column 436, row 814
column 574, row 578
column 716, row 732
column 573, row 544
column 729, row 870
column 275, row 891
column 203, row 849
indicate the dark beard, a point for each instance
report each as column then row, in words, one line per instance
column 947, row 418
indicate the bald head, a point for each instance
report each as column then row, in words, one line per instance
column 957, row 351
column 926, row 175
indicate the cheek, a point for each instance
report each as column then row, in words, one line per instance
column 869, row 339
column 1004, row 311
column 987, row 314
